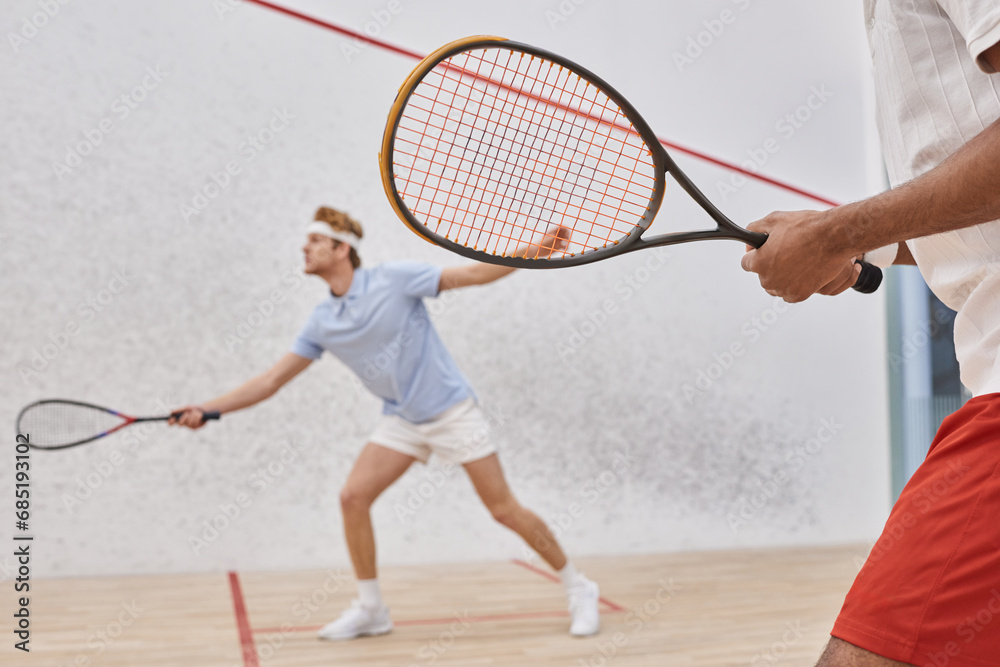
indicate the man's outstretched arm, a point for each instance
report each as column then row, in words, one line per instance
column 249, row 393
column 452, row 277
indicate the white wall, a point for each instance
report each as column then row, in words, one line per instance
column 184, row 286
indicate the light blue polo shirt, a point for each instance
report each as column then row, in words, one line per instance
column 382, row 331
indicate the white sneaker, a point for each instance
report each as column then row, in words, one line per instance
column 358, row 621
column 584, row 600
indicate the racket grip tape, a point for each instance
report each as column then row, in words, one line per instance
column 869, row 279
column 205, row 416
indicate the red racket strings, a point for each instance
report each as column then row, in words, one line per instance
column 495, row 146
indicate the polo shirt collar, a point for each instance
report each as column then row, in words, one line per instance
column 358, row 284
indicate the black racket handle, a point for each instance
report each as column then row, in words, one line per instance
column 205, row 416
column 869, row 279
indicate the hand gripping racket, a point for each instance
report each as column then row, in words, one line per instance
column 491, row 143
column 57, row 424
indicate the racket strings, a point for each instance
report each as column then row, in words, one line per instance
column 494, row 147
column 54, row 424
column 513, row 173
column 568, row 136
column 505, row 164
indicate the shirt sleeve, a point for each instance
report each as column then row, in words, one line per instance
column 979, row 23
column 305, row 344
column 882, row 257
column 416, row 279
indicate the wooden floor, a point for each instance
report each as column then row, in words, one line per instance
column 758, row 608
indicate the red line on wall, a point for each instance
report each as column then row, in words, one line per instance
column 354, row 34
column 247, row 644
column 746, row 172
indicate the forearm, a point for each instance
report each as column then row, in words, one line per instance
column 555, row 239
column 474, row 274
column 958, row 193
column 490, row 272
column 247, row 394
column 487, row 273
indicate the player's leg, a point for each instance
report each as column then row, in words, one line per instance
column 488, row 479
column 376, row 468
column 584, row 596
column 928, row 587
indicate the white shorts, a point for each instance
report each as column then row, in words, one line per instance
column 460, row 434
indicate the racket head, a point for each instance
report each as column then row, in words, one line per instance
column 491, row 143
column 58, row 423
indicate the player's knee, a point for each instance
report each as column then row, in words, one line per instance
column 352, row 500
column 506, row 512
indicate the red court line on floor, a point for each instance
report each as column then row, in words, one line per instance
column 519, row 616
column 435, row 621
column 552, row 577
column 669, row 144
column 250, row 658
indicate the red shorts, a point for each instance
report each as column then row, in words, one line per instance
column 929, row 594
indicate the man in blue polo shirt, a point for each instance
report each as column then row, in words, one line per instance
column 375, row 321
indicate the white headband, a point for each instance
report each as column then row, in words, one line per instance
column 324, row 229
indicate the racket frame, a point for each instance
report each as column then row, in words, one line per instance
column 129, row 420
column 663, row 164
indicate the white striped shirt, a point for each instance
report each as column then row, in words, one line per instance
column 933, row 94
